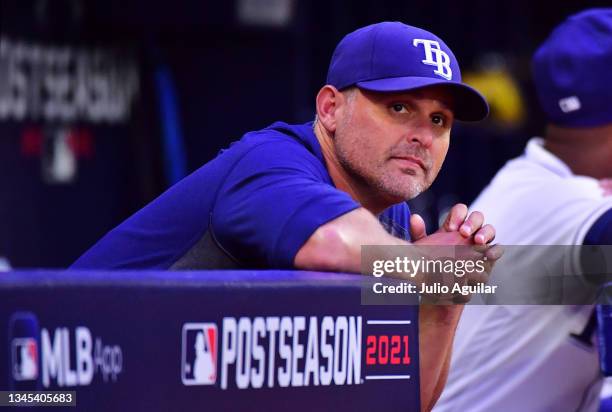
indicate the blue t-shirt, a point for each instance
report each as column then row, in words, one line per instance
column 253, row 206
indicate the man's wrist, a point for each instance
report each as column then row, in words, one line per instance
column 439, row 315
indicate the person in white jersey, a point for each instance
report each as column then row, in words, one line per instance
column 544, row 358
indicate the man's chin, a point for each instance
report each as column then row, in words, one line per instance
column 399, row 195
column 409, row 189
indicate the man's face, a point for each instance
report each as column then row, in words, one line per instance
column 394, row 143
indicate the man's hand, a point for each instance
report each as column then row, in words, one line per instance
column 457, row 220
column 606, row 186
column 464, row 231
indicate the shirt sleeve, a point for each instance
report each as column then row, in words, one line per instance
column 601, row 231
column 588, row 205
column 272, row 201
column 396, row 220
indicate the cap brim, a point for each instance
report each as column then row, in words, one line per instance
column 469, row 104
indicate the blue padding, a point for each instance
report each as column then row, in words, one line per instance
column 229, row 279
column 252, row 340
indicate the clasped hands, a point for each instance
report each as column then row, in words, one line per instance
column 469, row 239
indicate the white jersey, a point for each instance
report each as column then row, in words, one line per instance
column 523, row 358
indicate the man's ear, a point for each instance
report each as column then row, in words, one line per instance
column 328, row 101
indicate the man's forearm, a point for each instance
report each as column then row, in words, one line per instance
column 336, row 246
column 437, row 326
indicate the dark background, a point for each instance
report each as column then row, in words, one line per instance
column 231, row 72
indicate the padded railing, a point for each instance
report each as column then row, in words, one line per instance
column 169, row 341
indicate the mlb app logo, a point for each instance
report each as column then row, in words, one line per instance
column 25, row 359
column 199, row 354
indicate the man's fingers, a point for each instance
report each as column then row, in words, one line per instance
column 484, row 235
column 455, row 217
column 417, row 228
column 472, row 224
column 606, row 185
column 494, row 253
column 491, row 255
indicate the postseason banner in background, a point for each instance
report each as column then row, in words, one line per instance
column 207, row 340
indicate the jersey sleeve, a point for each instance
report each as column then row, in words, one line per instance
column 589, row 207
column 396, row 220
column 600, row 233
column 272, row 201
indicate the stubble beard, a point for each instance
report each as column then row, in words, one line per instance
column 376, row 174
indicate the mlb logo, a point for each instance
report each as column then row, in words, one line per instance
column 199, row 354
column 25, row 359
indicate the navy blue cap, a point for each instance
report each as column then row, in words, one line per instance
column 572, row 70
column 395, row 57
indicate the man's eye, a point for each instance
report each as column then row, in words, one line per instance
column 437, row 120
column 398, row 108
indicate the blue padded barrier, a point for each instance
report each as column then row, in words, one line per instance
column 234, row 340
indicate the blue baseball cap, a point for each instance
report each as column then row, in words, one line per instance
column 395, row 57
column 571, row 70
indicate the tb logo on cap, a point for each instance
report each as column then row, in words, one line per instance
column 441, row 61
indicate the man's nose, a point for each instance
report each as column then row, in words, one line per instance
column 421, row 132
